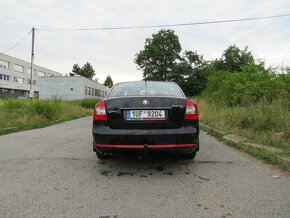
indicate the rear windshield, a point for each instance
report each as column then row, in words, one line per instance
column 149, row 88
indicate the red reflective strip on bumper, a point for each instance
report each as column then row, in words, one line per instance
column 119, row 146
column 149, row 146
column 171, row 145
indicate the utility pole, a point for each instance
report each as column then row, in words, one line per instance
column 31, row 93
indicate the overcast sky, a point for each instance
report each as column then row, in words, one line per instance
column 112, row 52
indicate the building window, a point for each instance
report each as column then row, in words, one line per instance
column 97, row 92
column 28, row 81
column 29, row 71
column 41, row 73
column 89, row 91
column 103, row 94
column 4, row 77
column 93, row 90
column 86, row 90
column 4, row 64
column 18, row 79
column 71, row 89
column 19, row 68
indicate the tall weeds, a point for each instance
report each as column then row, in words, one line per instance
column 262, row 122
column 26, row 112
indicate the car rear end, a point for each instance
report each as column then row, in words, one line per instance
column 144, row 116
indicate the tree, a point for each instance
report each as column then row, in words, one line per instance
column 233, row 58
column 161, row 60
column 191, row 73
column 76, row 70
column 87, row 70
column 160, row 55
column 108, row 81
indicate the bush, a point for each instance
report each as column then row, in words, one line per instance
column 252, row 85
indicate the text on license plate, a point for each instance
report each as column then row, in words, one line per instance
column 145, row 115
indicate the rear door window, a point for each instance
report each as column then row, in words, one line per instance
column 142, row 88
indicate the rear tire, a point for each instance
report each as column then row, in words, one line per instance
column 192, row 154
column 102, row 156
column 189, row 155
column 94, row 149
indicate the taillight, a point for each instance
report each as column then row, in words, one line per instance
column 100, row 111
column 191, row 112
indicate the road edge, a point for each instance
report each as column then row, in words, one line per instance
column 46, row 123
column 263, row 152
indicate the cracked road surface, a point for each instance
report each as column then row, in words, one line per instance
column 52, row 172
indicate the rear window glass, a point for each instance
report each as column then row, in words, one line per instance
column 146, row 89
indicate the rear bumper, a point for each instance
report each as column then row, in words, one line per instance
column 184, row 148
column 107, row 139
column 163, row 146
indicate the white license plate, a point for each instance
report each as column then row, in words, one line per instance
column 145, row 115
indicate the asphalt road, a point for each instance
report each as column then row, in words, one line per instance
column 52, row 172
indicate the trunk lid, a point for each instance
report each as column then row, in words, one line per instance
column 118, row 110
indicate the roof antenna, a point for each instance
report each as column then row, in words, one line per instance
column 145, row 79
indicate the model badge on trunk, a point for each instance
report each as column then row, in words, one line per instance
column 145, row 102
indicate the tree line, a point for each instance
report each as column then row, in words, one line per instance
column 234, row 78
column 88, row 71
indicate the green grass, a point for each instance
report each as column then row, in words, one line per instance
column 267, row 156
column 28, row 114
column 263, row 123
column 86, row 103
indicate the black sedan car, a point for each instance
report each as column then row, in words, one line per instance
column 145, row 116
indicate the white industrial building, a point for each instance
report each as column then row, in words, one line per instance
column 15, row 76
column 15, row 82
column 70, row 88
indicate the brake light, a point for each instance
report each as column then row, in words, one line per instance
column 100, row 111
column 191, row 112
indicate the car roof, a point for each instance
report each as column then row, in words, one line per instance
column 147, row 81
